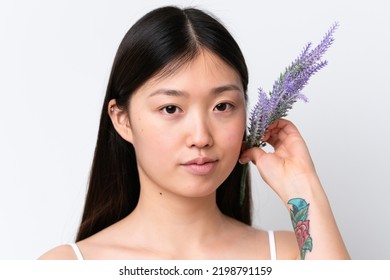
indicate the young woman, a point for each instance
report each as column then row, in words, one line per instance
column 165, row 179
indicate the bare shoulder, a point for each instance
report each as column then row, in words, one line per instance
column 286, row 245
column 62, row 252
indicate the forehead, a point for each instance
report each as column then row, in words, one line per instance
column 204, row 68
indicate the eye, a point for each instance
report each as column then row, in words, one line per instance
column 170, row 109
column 221, row 107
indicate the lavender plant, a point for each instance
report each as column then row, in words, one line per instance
column 285, row 92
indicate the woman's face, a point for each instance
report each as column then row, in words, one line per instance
column 187, row 128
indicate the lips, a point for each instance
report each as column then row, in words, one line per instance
column 200, row 165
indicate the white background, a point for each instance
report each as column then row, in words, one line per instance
column 55, row 59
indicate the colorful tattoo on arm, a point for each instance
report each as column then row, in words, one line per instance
column 301, row 224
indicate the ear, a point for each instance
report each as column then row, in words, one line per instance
column 120, row 121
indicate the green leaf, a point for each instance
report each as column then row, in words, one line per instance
column 308, row 245
column 292, row 218
column 301, row 215
column 303, row 254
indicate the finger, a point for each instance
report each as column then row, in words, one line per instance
column 285, row 125
column 275, row 124
column 269, row 130
column 253, row 154
column 266, row 136
column 279, row 131
column 276, row 137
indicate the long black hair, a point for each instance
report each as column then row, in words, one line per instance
column 162, row 40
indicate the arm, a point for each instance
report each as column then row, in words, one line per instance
column 290, row 172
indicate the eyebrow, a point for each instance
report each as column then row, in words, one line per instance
column 216, row 91
column 230, row 87
column 169, row 92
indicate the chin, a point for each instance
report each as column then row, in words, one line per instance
column 199, row 190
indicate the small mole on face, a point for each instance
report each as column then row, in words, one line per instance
column 160, row 193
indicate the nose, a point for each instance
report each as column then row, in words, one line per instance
column 199, row 132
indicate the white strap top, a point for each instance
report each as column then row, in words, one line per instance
column 76, row 251
column 272, row 245
column 271, row 239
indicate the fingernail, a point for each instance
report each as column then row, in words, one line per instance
column 243, row 160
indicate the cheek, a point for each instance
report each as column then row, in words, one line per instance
column 152, row 138
column 234, row 141
column 234, row 136
column 238, row 129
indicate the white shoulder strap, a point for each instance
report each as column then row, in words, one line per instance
column 272, row 246
column 76, row 251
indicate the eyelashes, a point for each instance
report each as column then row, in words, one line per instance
column 224, row 106
column 173, row 109
column 170, row 110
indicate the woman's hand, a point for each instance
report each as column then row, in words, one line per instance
column 290, row 172
column 289, row 169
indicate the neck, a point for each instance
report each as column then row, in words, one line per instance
column 172, row 221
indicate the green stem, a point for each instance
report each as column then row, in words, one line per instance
column 243, row 184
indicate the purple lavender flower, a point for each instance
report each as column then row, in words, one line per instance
column 285, row 92
column 286, row 89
